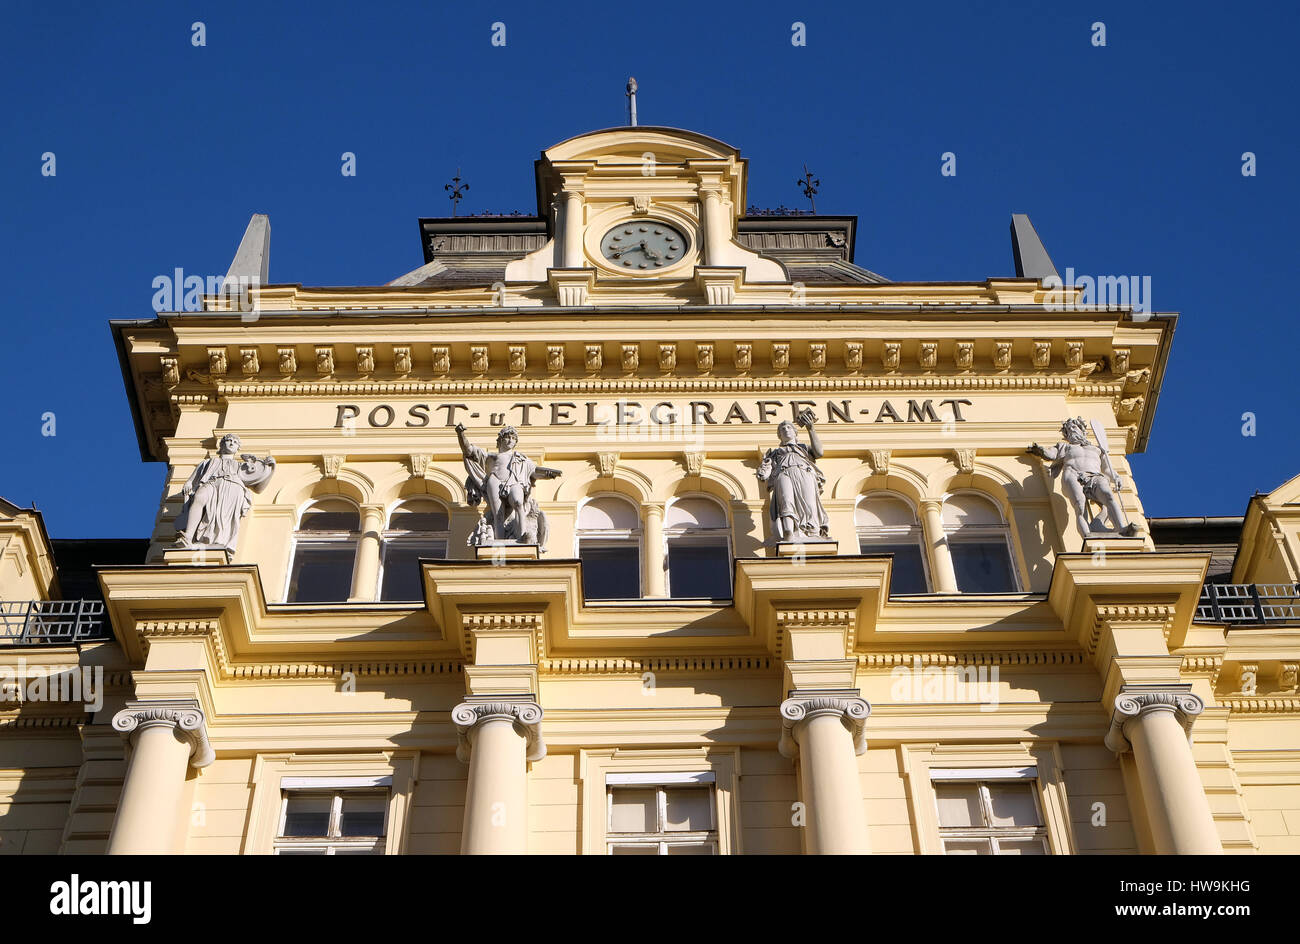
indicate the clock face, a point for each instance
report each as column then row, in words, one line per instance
column 643, row 245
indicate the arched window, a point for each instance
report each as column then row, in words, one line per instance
column 979, row 541
column 324, row 552
column 609, row 546
column 699, row 548
column 887, row 524
column 417, row 528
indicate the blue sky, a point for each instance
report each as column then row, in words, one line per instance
column 1127, row 157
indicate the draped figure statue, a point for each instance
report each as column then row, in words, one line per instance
column 216, row 496
column 794, row 484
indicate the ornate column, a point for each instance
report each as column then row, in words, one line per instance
column 826, row 733
column 498, row 737
column 717, row 232
column 1154, row 723
column 653, row 552
column 571, row 202
column 365, row 574
column 163, row 739
column 945, row 577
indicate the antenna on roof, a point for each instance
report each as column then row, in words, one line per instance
column 631, row 101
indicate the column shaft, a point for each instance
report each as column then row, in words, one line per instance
column 831, row 790
column 149, row 811
column 572, row 202
column 716, row 231
column 496, row 797
column 1179, row 813
column 365, row 574
column 653, row 558
column 941, row 569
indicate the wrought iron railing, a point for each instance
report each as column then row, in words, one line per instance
column 1258, row 603
column 52, row 622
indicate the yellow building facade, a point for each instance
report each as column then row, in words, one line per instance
column 651, row 663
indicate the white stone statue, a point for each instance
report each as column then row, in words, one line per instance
column 216, row 496
column 795, row 484
column 1088, row 477
column 504, row 478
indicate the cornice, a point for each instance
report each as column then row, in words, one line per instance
column 635, row 666
column 1044, row 657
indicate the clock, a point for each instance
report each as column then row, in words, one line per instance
column 643, row 246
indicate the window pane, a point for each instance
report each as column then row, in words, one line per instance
column 330, row 516
column 959, row 804
column 638, row 849
column 402, row 578
column 307, row 815
column 699, row 570
column 422, row 516
column 689, row 809
column 966, row 847
column 363, row 815
column 689, row 848
column 610, row 573
column 322, row 573
column 632, row 811
column 321, row 850
column 1021, row 847
column 909, row 572
column 1012, row 803
column 982, row 567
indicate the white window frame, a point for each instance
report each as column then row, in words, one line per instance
column 321, row 539
column 600, row 769
column 438, row 543
column 985, row 534
column 274, row 773
column 927, row 763
column 661, row 837
column 332, row 842
column 597, row 538
column 896, row 534
column 981, row 778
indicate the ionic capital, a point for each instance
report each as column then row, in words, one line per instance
column 850, row 709
column 184, row 718
column 524, row 714
column 1133, row 703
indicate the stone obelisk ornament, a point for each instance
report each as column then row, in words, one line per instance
column 216, row 496
column 504, row 478
column 1087, row 476
column 794, row 484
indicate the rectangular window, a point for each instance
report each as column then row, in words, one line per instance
column 401, row 581
column 332, row 822
column 699, row 568
column 909, row 569
column 610, row 571
column 676, row 818
column 982, row 566
column 990, row 817
column 322, row 573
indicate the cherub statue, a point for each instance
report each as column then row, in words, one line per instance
column 1089, row 476
column 795, row 484
column 216, row 496
column 504, row 478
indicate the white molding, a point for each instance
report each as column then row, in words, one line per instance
column 334, row 783
column 984, row 773
column 656, row 779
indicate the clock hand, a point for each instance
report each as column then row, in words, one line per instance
column 640, row 245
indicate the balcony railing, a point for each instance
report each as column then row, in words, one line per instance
column 52, row 622
column 1257, row 603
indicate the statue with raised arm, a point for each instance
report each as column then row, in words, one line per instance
column 504, row 478
column 216, row 496
column 1087, row 476
column 794, row 484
